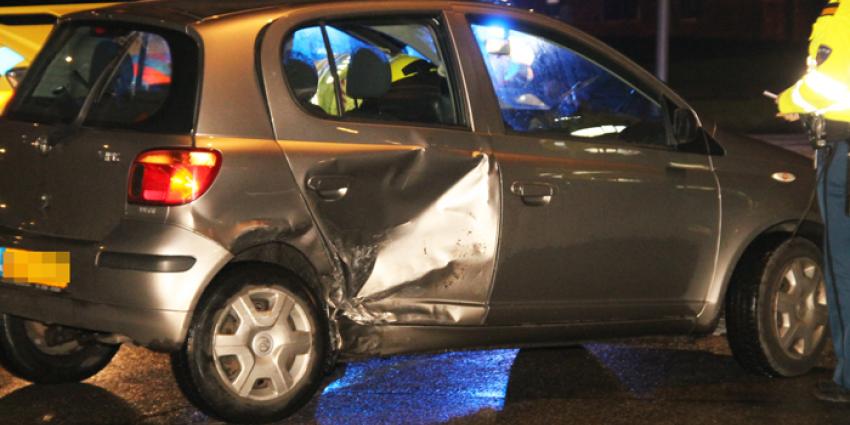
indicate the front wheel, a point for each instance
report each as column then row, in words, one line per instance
column 50, row 354
column 776, row 311
column 256, row 349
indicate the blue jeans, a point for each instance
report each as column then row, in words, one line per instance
column 832, row 195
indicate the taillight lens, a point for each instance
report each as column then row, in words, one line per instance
column 170, row 177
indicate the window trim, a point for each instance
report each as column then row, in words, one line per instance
column 444, row 44
column 326, row 39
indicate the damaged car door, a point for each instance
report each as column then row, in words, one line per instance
column 405, row 194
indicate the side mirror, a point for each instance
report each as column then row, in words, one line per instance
column 685, row 126
column 15, row 76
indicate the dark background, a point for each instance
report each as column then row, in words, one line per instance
column 723, row 53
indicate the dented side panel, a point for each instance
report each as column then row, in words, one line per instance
column 415, row 233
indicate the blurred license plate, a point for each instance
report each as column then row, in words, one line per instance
column 51, row 269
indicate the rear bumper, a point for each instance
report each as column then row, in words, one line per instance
column 160, row 330
column 141, row 282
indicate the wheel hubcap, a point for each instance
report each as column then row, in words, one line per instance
column 262, row 343
column 800, row 306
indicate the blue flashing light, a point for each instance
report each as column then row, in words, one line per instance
column 8, row 59
column 492, row 31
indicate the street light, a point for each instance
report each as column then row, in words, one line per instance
column 663, row 43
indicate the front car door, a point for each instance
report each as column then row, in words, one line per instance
column 605, row 218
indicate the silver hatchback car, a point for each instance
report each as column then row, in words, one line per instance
column 267, row 188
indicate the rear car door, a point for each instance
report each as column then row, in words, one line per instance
column 604, row 217
column 369, row 111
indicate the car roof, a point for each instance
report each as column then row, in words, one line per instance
column 202, row 9
column 188, row 11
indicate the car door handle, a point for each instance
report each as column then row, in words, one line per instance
column 682, row 169
column 684, row 166
column 534, row 194
column 330, row 188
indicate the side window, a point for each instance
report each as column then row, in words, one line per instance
column 141, row 84
column 384, row 71
column 136, row 79
column 304, row 59
column 545, row 87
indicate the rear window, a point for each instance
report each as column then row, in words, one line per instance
column 137, row 78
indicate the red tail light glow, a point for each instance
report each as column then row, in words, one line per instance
column 170, row 177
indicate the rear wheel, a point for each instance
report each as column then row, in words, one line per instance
column 50, row 354
column 256, row 349
column 776, row 312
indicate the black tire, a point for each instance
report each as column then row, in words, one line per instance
column 22, row 357
column 753, row 313
column 197, row 369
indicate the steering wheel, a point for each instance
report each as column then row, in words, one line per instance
column 575, row 88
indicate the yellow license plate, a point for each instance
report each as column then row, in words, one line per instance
column 51, row 269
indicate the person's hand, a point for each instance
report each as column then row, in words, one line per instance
column 789, row 117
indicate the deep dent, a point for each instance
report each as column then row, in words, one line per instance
column 414, row 242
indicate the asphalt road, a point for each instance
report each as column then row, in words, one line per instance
column 648, row 381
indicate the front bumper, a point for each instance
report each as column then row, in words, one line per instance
column 141, row 282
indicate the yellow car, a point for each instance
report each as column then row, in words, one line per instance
column 23, row 31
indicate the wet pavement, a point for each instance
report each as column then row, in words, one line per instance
column 650, row 381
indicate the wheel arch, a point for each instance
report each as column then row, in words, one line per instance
column 759, row 243
column 283, row 256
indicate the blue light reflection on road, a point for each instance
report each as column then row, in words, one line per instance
column 422, row 389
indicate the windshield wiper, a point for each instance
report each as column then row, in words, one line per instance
column 98, row 89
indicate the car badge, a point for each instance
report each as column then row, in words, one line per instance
column 42, row 145
column 108, row 156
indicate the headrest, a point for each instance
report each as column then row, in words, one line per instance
column 369, row 75
column 303, row 79
column 104, row 52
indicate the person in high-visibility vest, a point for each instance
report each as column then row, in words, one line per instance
column 825, row 91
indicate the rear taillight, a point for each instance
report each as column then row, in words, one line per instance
column 170, row 177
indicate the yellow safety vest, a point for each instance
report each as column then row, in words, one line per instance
column 825, row 89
